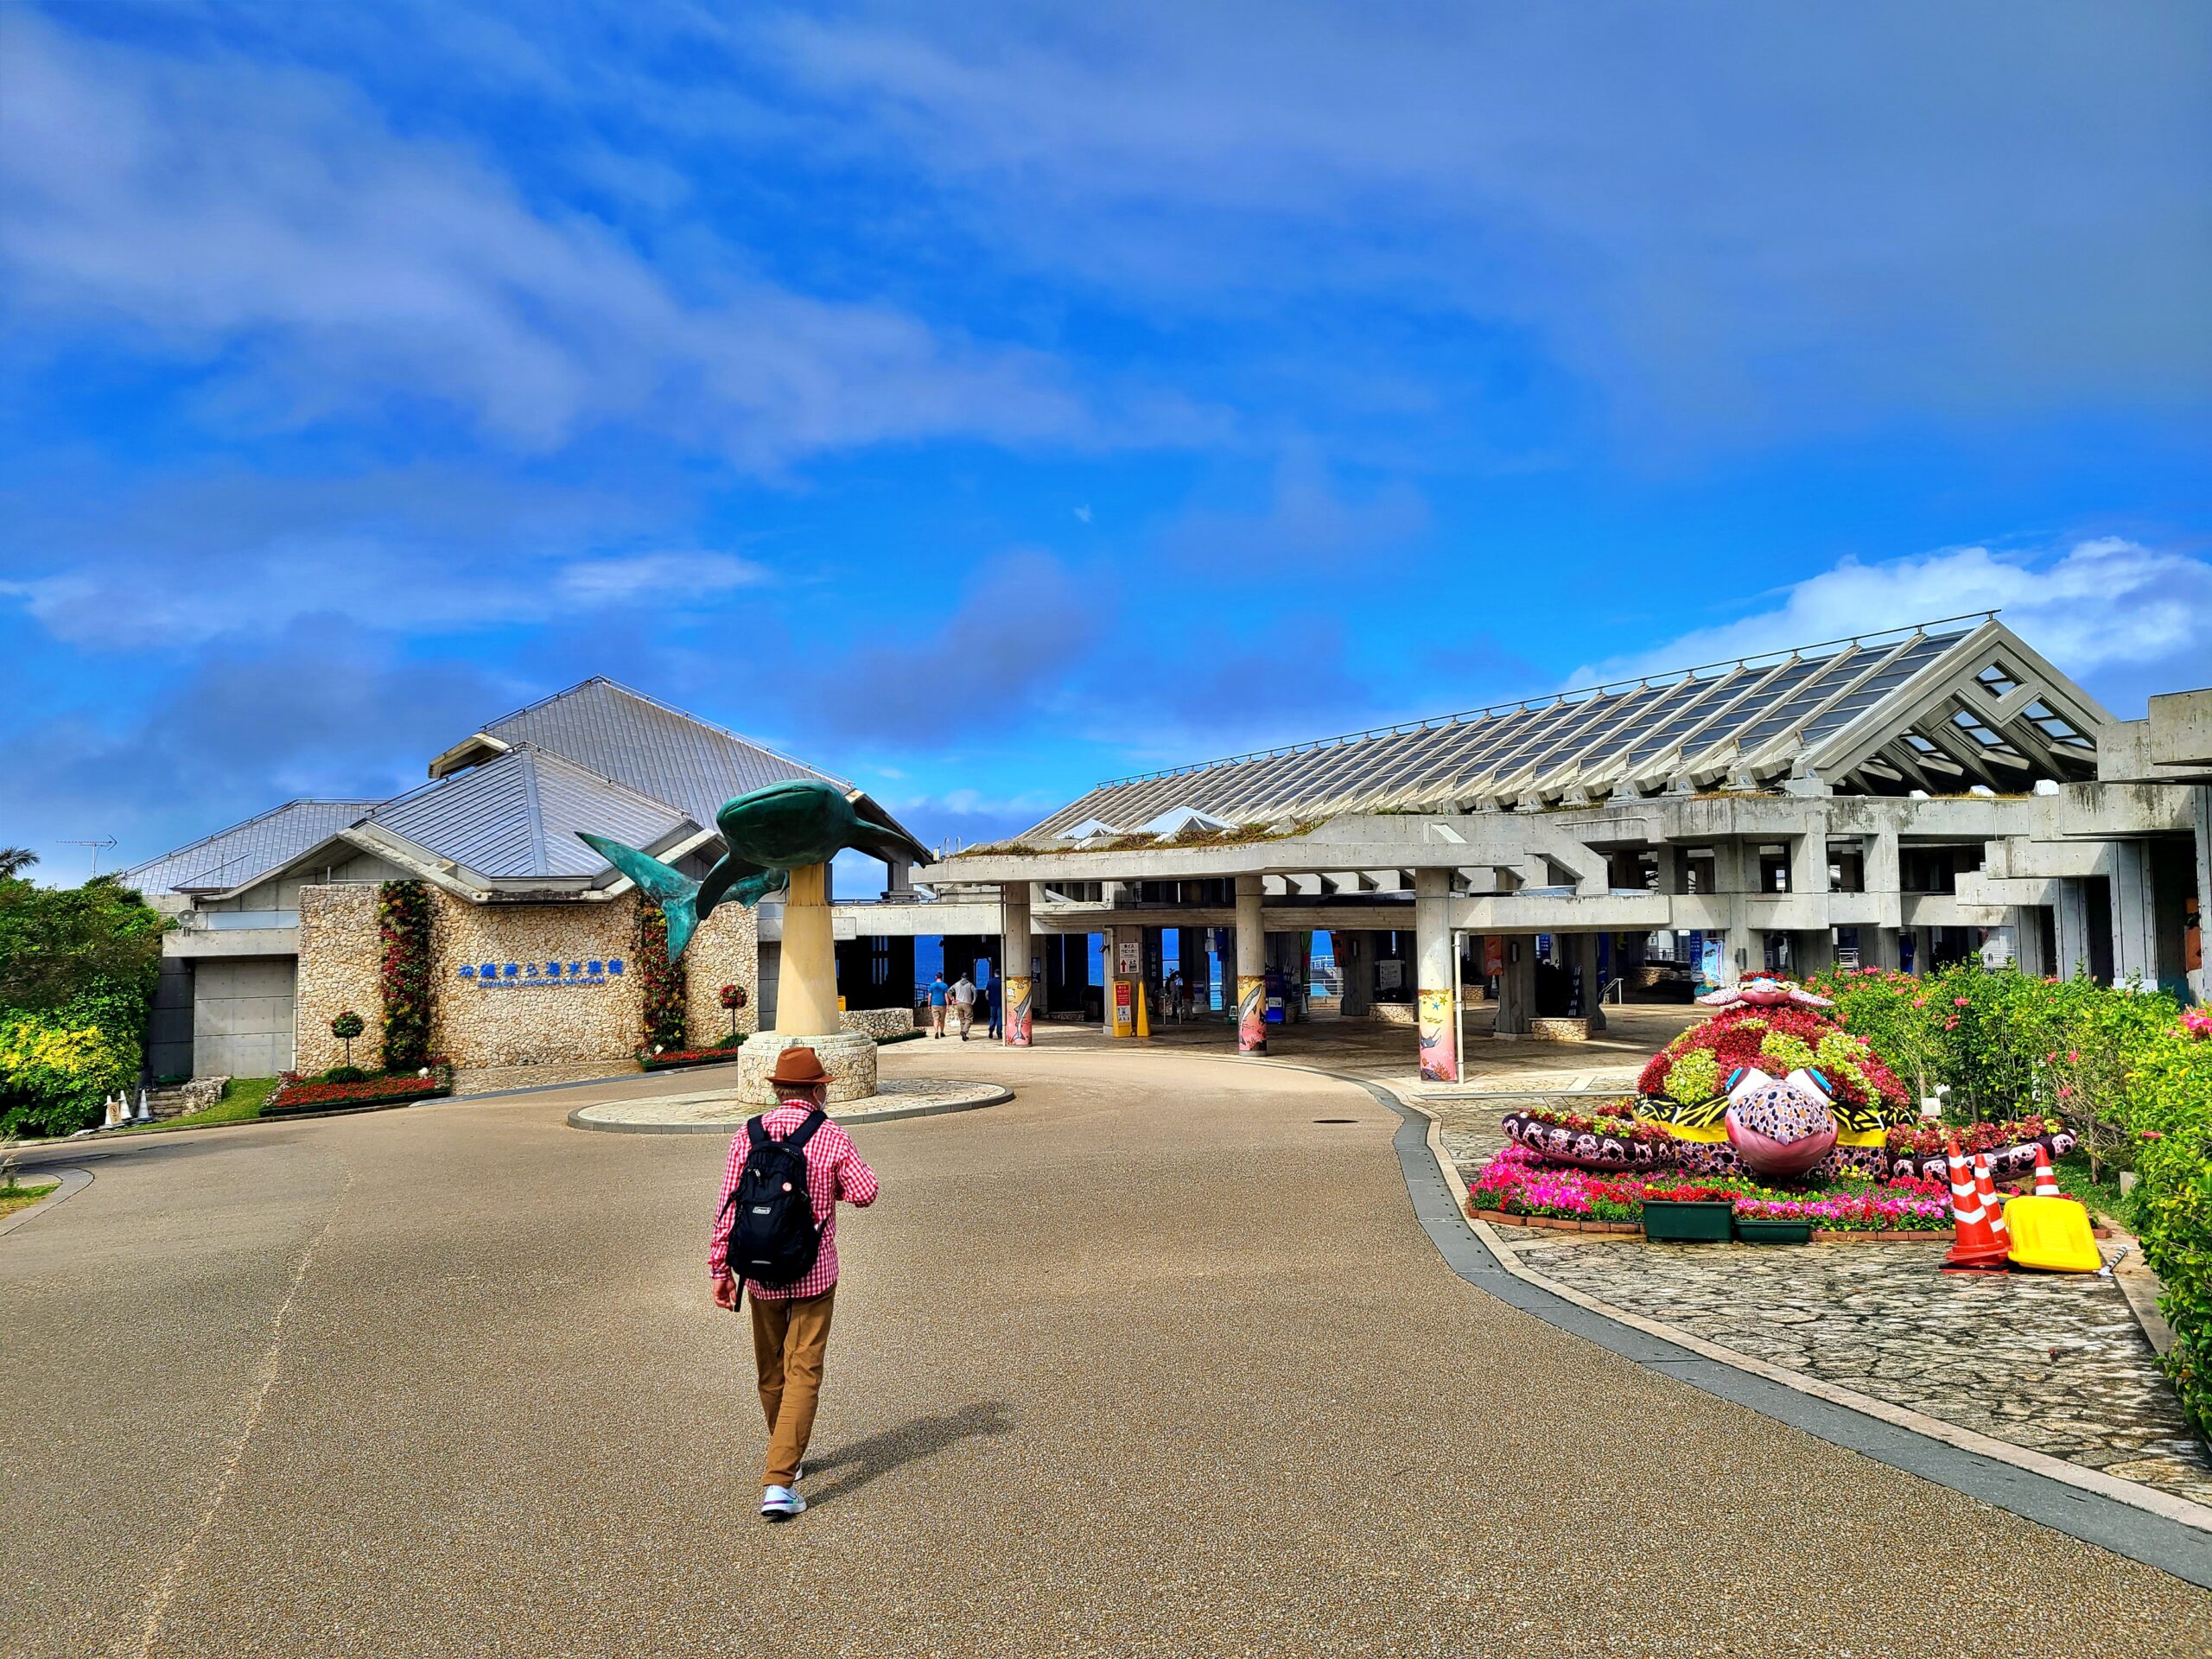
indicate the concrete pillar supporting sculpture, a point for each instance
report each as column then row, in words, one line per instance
column 1439, row 1024
column 1251, row 969
column 1015, row 951
column 806, row 996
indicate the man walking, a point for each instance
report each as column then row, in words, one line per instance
column 963, row 1004
column 991, row 1011
column 790, row 1321
column 938, row 991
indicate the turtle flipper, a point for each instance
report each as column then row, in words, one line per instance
column 677, row 893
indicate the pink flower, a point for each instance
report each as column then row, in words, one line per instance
column 2065, row 1091
column 1958, row 1001
column 2073, row 1056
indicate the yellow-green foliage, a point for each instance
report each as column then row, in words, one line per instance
column 58, row 1072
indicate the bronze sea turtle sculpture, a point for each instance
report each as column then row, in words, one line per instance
column 769, row 833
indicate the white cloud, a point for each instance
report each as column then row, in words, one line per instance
column 267, row 225
column 653, row 576
column 2109, row 611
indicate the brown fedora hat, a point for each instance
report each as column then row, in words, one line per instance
column 798, row 1064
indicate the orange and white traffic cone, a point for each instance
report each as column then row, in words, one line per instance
column 2046, row 1179
column 1975, row 1246
column 1985, row 1188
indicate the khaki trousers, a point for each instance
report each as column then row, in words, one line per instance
column 790, row 1339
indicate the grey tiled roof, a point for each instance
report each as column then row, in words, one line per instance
column 518, row 815
column 238, row 855
column 657, row 751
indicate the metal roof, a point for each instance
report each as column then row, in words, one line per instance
column 231, row 857
column 517, row 815
column 1940, row 706
column 658, row 751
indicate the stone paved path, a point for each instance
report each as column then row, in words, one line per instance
column 2054, row 1362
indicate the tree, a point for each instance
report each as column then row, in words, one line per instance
column 345, row 1027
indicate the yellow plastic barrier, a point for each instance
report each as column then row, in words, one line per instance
column 2052, row 1234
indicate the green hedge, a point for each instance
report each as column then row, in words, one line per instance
column 2129, row 1072
column 2170, row 1108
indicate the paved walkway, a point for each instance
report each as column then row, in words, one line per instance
column 1152, row 1360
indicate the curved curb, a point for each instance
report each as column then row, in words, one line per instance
column 858, row 1120
column 73, row 1182
column 2140, row 1522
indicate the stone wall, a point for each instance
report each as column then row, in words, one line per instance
column 724, row 952
column 534, row 1021
column 338, row 954
column 531, row 1021
column 876, row 1022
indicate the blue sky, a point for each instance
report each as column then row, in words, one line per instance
column 983, row 401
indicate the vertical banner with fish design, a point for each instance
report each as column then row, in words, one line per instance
column 1440, row 1043
column 1251, row 1013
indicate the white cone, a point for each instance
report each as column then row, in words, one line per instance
column 145, row 1111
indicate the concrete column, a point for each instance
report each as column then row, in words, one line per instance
column 1582, row 957
column 2134, row 915
column 1355, row 959
column 1251, row 969
column 1731, row 879
column 1439, row 1028
column 1814, row 950
column 1516, row 988
column 1670, row 868
column 2201, row 976
column 1809, row 862
column 2027, row 940
column 2071, row 926
column 1016, row 949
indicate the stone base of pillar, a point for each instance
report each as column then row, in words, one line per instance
column 1013, row 1009
column 849, row 1060
column 1251, row 1014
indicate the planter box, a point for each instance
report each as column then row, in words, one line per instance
column 1774, row 1232
column 1559, row 1029
column 1697, row 1222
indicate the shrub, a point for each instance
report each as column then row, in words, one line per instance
column 2170, row 1111
column 345, row 1074
column 58, row 1070
column 404, row 920
column 664, row 981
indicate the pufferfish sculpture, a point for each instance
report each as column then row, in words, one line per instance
column 769, row 833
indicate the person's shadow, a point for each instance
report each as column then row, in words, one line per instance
column 862, row 1461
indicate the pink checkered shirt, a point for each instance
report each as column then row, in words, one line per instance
column 833, row 1170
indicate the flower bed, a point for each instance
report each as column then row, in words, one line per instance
column 674, row 1059
column 294, row 1095
column 1517, row 1184
column 1684, row 1081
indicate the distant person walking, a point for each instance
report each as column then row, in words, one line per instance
column 775, row 1235
column 963, row 1004
column 991, row 1010
column 938, row 991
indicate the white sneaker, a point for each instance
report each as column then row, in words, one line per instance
column 781, row 1503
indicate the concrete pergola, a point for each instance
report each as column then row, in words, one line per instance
column 1777, row 804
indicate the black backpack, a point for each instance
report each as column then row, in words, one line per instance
column 774, row 1239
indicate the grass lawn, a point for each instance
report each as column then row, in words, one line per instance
column 2102, row 1198
column 242, row 1098
column 13, row 1199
